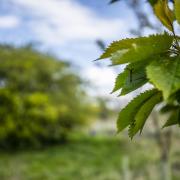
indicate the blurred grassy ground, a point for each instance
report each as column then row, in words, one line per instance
column 84, row 158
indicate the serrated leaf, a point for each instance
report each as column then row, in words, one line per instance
column 136, row 77
column 137, row 49
column 173, row 119
column 163, row 12
column 126, row 116
column 133, row 77
column 116, row 46
column 165, row 75
column 135, row 84
column 177, row 10
column 120, row 80
column 143, row 114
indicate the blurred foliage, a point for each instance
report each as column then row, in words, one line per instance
column 84, row 158
column 104, row 109
column 41, row 98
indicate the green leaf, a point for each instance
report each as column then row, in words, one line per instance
column 163, row 12
column 137, row 49
column 165, row 75
column 117, row 46
column 133, row 77
column 177, row 96
column 120, row 80
column 177, row 10
column 136, row 77
column 143, row 49
column 126, row 116
column 173, row 119
column 152, row 2
column 168, row 108
column 143, row 114
column 135, row 84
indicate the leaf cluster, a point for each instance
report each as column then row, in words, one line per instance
column 154, row 59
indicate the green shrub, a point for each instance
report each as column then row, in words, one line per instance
column 41, row 99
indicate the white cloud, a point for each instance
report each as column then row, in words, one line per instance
column 62, row 21
column 102, row 77
column 7, row 22
column 73, row 28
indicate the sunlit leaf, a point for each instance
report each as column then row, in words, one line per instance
column 177, row 10
column 163, row 12
column 127, row 115
column 165, row 75
column 143, row 114
column 137, row 49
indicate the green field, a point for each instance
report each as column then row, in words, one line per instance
column 85, row 158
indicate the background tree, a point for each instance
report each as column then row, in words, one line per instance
column 42, row 99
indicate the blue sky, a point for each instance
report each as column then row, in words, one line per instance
column 68, row 29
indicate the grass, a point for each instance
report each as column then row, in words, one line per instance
column 95, row 158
